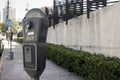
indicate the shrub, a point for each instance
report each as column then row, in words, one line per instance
column 20, row 39
column 90, row 66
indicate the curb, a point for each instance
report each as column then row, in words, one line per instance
column 1, row 62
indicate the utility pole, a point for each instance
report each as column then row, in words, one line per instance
column 7, row 17
column 9, row 26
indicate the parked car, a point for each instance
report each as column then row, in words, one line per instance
column 1, row 44
column 2, row 35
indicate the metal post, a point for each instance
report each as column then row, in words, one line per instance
column 66, row 13
column 7, row 10
column 10, row 45
column 54, row 6
column 11, row 54
column 88, row 9
column 10, row 40
column 7, row 17
column 36, row 78
column 81, row 6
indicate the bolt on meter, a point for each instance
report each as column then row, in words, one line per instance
column 35, row 26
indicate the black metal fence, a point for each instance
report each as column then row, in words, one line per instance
column 63, row 10
column 93, row 5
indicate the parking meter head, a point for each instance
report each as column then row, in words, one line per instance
column 35, row 26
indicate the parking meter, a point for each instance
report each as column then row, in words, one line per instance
column 35, row 26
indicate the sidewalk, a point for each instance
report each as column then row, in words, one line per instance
column 13, row 69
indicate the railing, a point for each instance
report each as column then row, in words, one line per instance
column 93, row 5
column 63, row 10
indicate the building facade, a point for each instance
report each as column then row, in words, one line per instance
column 12, row 13
column 0, row 16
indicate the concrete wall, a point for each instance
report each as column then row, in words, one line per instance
column 99, row 34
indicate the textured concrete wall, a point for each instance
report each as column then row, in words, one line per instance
column 99, row 34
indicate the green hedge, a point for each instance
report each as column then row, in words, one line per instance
column 90, row 66
column 20, row 39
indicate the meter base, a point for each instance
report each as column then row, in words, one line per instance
column 35, row 78
column 11, row 55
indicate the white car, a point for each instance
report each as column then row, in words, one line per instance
column 2, row 36
column 1, row 44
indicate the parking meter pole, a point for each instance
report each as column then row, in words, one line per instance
column 10, row 40
column 11, row 54
column 35, row 78
column 10, row 45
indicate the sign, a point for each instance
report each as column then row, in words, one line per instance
column 8, row 22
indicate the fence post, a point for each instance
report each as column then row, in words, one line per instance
column 66, row 13
column 88, row 8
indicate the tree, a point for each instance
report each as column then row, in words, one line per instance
column 14, row 26
column 2, row 27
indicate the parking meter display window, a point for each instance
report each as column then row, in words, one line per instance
column 29, row 56
column 29, row 38
column 29, row 31
column 34, row 30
